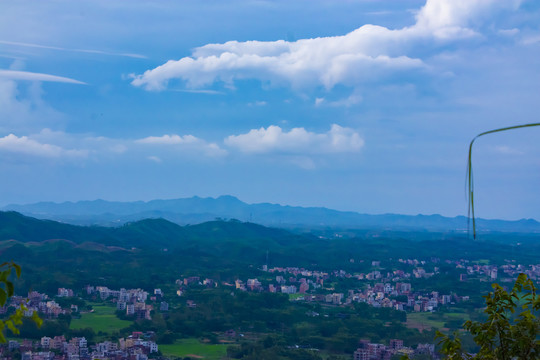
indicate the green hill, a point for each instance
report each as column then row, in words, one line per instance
column 155, row 251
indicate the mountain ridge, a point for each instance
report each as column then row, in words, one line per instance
column 146, row 233
column 193, row 210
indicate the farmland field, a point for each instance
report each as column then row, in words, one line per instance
column 102, row 319
column 427, row 321
column 191, row 347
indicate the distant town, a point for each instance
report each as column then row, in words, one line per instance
column 379, row 288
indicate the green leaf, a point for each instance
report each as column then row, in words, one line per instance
column 3, row 297
column 17, row 270
column 37, row 319
column 12, row 327
column 10, row 288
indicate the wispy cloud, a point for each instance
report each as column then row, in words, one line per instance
column 88, row 51
column 258, row 103
column 354, row 99
column 530, row 40
column 32, row 76
column 154, row 159
column 22, row 108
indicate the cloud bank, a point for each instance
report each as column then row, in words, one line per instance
column 369, row 53
column 298, row 145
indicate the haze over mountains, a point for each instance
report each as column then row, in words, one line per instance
column 196, row 210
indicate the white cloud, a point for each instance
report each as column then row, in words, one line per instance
column 369, row 53
column 97, row 146
column 27, row 146
column 354, row 99
column 32, row 76
column 169, row 140
column 297, row 141
column 187, row 142
column 447, row 19
column 61, row 145
column 22, row 107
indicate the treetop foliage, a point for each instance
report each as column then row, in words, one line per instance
column 7, row 291
column 511, row 329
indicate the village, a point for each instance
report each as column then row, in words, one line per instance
column 135, row 347
column 377, row 288
column 380, row 288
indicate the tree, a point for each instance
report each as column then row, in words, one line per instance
column 15, row 320
column 511, row 329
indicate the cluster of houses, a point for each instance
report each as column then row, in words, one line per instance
column 513, row 270
column 132, row 301
column 371, row 351
column 505, row 273
column 380, row 287
column 390, row 284
column 135, row 347
column 37, row 302
column 300, row 281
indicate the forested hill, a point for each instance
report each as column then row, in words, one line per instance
column 198, row 210
column 147, row 233
column 54, row 254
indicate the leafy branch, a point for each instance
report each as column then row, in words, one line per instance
column 7, row 290
column 505, row 335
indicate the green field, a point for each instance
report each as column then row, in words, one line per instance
column 190, row 347
column 295, row 296
column 102, row 319
column 426, row 321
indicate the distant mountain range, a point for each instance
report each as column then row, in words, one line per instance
column 197, row 210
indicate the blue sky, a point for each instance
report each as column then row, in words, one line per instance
column 357, row 105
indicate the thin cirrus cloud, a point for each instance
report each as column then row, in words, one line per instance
column 24, row 145
column 297, row 141
column 32, row 76
column 88, row 51
column 369, row 53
